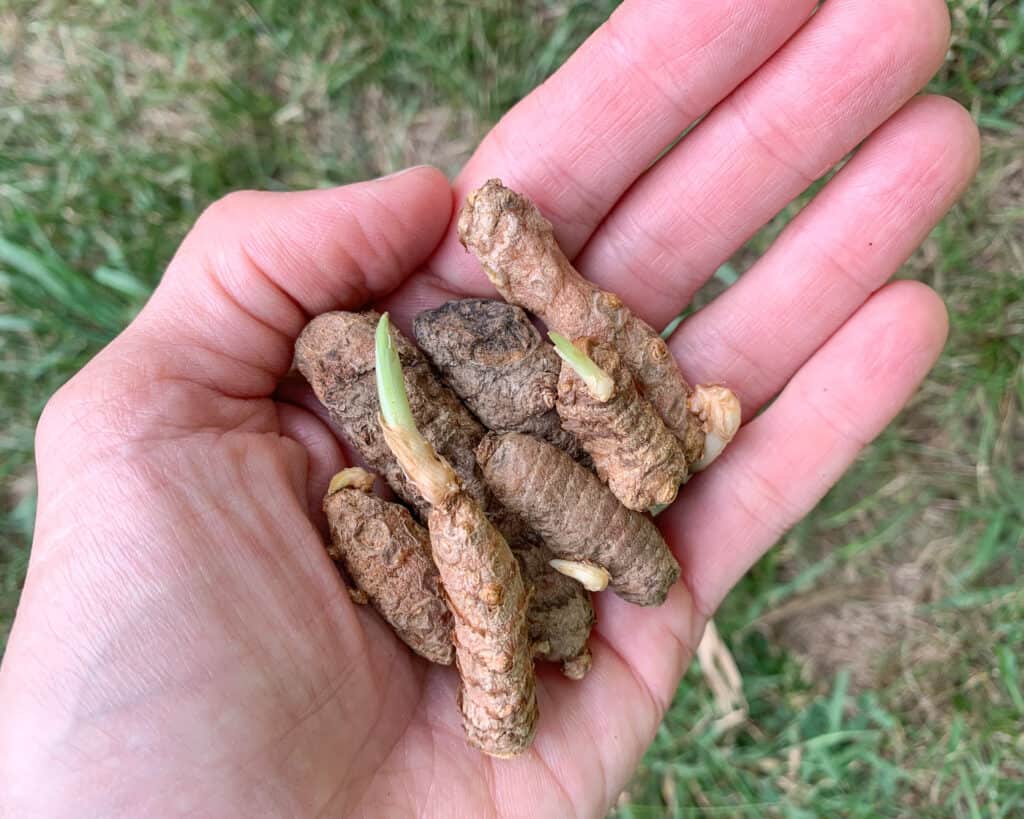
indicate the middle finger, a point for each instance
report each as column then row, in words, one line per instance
column 577, row 142
column 848, row 70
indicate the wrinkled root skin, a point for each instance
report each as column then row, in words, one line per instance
column 335, row 353
column 486, row 595
column 494, row 359
column 578, row 516
column 387, row 556
column 560, row 614
column 516, row 246
column 633, row 451
column 490, row 354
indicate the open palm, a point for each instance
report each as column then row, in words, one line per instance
column 184, row 645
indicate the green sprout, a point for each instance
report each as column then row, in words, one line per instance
column 394, row 402
column 430, row 474
column 597, row 380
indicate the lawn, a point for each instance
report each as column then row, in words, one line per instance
column 880, row 645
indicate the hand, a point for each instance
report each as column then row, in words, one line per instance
column 183, row 644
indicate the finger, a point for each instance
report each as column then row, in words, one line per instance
column 782, row 463
column 850, row 240
column 325, row 455
column 258, row 264
column 580, row 139
column 838, row 79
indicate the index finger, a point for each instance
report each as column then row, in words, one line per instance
column 577, row 142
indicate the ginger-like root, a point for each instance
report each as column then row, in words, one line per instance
column 479, row 575
column 335, row 352
column 516, row 246
column 560, row 614
column 494, row 359
column 482, row 582
column 578, row 516
column 633, row 451
column 387, row 556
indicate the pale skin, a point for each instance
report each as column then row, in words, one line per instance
column 183, row 645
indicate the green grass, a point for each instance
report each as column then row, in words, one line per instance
column 120, row 122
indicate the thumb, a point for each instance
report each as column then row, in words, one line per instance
column 257, row 265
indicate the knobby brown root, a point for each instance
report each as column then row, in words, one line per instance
column 578, row 516
column 479, row 575
column 633, row 451
column 494, row 359
column 492, row 643
column 335, row 352
column 387, row 556
column 560, row 616
column 516, row 246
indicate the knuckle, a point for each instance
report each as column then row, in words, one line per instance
column 111, row 398
column 228, row 207
column 71, row 415
column 52, row 418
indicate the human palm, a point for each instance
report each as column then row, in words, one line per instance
column 183, row 644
